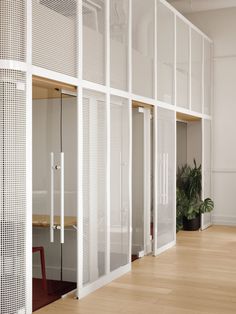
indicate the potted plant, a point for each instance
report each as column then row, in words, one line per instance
column 189, row 204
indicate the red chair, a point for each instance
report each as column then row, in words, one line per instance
column 43, row 268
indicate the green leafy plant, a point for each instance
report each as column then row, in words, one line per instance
column 188, row 197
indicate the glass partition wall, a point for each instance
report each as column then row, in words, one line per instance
column 128, row 50
column 106, row 188
column 119, row 44
column 182, row 64
column 94, row 33
column 94, row 186
column 165, row 21
column 120, row 142
column 142, row 179
column 207, row 169
column 208, row 59
column 143, row 43
column 196, row 71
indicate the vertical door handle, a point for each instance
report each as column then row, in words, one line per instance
column 164, row 179
column 52, row 199
column 167, row 178
column 62, row 197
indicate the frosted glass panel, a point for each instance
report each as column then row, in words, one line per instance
column 166, row 177
column 165, row 54
column 207, row 158
column 120, row 208
column 141, row 180
column 94, row 41
column 182, row 64
column 143, row 47
column 196, row 72
column 207, row 77
column 119, row 26
column 94, row 186
column 206, row 218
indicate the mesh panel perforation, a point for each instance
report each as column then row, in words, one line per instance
column 12, row 191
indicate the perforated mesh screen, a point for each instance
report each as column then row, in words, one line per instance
column 119, row 186
column 12, row 190
column 166, row 174
column 207, row 217
column 94, row 187
column 12, row 30
column 54, row 35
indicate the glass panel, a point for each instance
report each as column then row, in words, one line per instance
column 207, row 77
column 196, row 72
column 143, row 47
column 138, row 181
column 69, row 147
column 207, row 158
column 119, row 32
column 94, row 41
column 142, row 168
column 166, row 177
column 54, row 130
column 165, row 54
column 182, row 63
column 120, row 219
column 94, row 186
column 206, row 218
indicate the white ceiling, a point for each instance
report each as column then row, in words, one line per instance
column 189, row 6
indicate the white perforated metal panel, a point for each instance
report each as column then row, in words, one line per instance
column 12, row 191
column 165, row 218
column 165, row 54
column 206, row 218
column 12, row 30
column 94, row 187
column 143, row 43
column 94, row 36
column 119, row 41
column 119, row 186
column 54, row 35
column 182, row 64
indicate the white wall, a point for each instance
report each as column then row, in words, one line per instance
column 220, row 25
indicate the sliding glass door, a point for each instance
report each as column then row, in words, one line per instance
column 164, row 216
column 206, row 168
column 141, row 181
column 105, row 190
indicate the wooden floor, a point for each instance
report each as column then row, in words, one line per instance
column 197, row 276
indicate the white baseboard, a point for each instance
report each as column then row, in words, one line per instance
column 224, row 220
column 165, row 248
column 83, row 292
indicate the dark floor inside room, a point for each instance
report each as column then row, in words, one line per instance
column 55, row 289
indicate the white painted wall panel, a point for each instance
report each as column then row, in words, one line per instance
column 220, row 26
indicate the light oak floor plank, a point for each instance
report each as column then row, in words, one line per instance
column 198, row 276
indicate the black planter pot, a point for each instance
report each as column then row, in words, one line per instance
column 192, row 225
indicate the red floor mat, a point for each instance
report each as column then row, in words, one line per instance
column 56, row 289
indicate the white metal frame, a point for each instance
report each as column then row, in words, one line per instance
column 108, row 91
column 29, row 159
